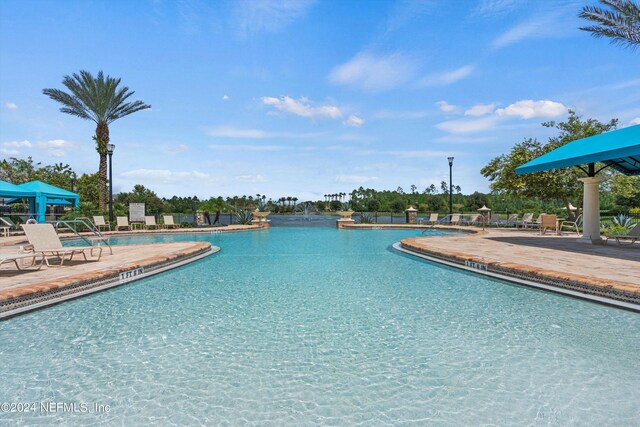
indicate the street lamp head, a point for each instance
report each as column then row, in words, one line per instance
column 110, row 148
column 450, row 161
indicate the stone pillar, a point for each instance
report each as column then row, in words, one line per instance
column 260, row 222
column 340, row 223
column 411, row 215
column 591, row 210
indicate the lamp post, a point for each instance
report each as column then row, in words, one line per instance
column 73, row 182
column 110, row 148
column 450, row 186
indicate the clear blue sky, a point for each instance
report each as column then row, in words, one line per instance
column 304, row 98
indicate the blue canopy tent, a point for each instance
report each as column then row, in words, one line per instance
column 9, row 190
column 618, row 149
column 43, row 194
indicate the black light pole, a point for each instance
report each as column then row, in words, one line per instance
column 73, row 182
column 195, row 211
column 450, row 185
column 110, row 148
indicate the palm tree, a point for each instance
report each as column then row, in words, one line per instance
column 100, row 100
column 621, row 25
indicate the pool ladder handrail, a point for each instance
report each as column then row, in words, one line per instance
column 82, row 221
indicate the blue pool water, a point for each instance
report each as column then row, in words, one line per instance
column 303, row 326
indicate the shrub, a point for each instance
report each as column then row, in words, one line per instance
column 366, row 218
column 243, row 217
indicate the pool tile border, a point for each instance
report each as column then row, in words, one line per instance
column 15, row 301
column 603, row 291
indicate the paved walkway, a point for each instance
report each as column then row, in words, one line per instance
column 607, row 265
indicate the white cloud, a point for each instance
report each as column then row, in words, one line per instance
column 268, row 15
column 302, row 107
column 11, row 105
column 468, row 126
column 225, row 97
column 354, row 121
column 374, row 73
column 231, row 132
column 446, row 78
column 17, row 144
column 480, row 110
column 635, row 121
column 355, row 179
column 180, row 148
column 55, row 147
column 9, row 152
column 528, row 109
column 250, row 178
column 164, row 176
column 446, row 107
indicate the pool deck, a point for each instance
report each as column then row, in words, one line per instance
column 31, row 288
column 607, row 270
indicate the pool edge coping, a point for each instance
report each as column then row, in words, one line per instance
column 509, row 273
column 83, row 284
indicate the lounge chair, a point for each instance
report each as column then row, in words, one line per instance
column 100, row 223
column 122, row 222
column 150, row 222
column 631, row 237
column 572, row 224
column 455, row 219
column 512, row 221
column 168, row 222
column 433, row 219
column 548, row 222
column 21, row 256
column 495, row 220
column 475, row 219
column 45, row 240
column 6, row 224
column 527, row 219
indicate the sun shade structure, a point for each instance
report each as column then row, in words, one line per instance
column 618, row 149
column 40, row 195
column 9, row 190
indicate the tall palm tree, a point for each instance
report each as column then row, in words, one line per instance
column 621, row 24
column 100, row 100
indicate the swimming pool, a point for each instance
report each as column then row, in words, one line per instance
column 300, row 326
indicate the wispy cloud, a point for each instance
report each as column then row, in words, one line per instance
column 302, row 107
column 480, row 110
column 164, row 176
column 495, row 7
column 374, row 73
column 389, row 114
column 11, row 105
column 257, row 147
column 231, row 132
column 354, row 121
column 527, row 109
column 225, row 97
column 250, row 178
column 635, row 121
column 355, row 179
column 404, row 12
column 448, row 77
column 175, row 149
column 254, row 16
column 538, row 26
column 12, row 148
column 445, row 107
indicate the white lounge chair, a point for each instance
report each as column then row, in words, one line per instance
column 21, row 256
column 455, row 219
column 122, row 222
column 6, row 224
column 433, row 219
column 100, row 223
column 475, row 219
column 630, row 238
column 168, row 221
column 150, row 222
column 45, row 240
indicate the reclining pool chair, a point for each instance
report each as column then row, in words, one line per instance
column 21, row 256
column 150, row 222
column 122, row 222
column 45, row 240
column 168, row 222
column 630, row 238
